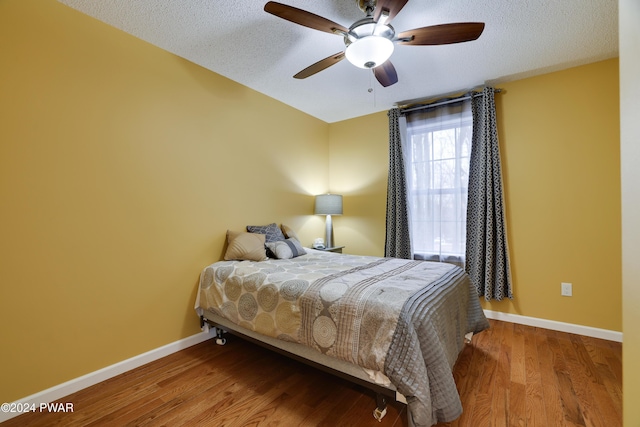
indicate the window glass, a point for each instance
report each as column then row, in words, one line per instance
column 438, row 147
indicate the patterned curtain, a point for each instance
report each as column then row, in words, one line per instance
column 398, row 242
column 487, row 253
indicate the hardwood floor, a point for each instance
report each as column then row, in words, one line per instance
column 510, row 375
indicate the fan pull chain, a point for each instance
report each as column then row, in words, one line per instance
column 371, row 90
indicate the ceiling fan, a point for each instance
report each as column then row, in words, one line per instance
column 370, row 41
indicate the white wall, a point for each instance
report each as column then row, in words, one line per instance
column 629, row 11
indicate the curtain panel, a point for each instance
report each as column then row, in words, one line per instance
column 487, row 257
column 398, row 241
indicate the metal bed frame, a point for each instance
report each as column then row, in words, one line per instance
column 339, row 368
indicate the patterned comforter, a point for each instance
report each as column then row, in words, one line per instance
column 404, row 318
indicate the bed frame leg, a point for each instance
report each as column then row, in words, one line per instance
column 204, row 326
column 381, row 409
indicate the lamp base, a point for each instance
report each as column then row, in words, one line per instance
column 328, row 232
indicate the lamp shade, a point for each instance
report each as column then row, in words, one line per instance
column 328, row 204
column 369, row 51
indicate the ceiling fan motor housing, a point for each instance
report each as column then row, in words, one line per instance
column 368, row 27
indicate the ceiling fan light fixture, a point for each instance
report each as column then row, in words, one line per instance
column 369, row 52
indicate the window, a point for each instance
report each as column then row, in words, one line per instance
column 437, row 150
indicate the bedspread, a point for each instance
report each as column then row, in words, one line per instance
column 404, row 318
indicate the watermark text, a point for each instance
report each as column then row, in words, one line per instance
column 20, row 408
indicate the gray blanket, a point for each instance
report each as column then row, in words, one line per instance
column 426, row 343
column 404, row 318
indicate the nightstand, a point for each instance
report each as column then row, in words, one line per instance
column 337, row 249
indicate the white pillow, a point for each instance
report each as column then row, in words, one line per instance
column 285, row 249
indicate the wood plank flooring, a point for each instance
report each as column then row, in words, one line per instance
column 510, row 375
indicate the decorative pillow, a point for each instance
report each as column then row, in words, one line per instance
column 272, row 232
column 245, row 246
column 285, row 249
column 289, row 233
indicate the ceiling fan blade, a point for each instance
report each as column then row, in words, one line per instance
column 442, row 34
column 392, row 6
column 303, row 17
column 386, row 74
column 320, row 65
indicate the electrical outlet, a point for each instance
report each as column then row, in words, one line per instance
column 566, row 289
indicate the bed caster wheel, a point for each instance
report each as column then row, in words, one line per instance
column 379, row 414
column 220, row 339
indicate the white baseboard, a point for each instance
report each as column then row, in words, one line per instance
column 61, row 390
column 571, row 328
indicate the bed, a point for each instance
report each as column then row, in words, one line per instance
column 395, row 326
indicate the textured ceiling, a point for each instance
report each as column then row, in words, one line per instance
column 237, row 39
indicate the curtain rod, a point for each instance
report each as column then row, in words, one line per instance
column 412, row 107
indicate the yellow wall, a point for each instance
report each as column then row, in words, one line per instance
column 560, row 142
column 561, row 147
column 121, row 168
column 358, row 170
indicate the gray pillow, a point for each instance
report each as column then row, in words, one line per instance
column 272, row 232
